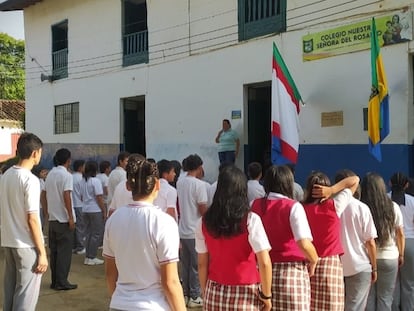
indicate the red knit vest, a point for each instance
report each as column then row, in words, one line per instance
column 231, row 260
column 275, row 216
column 326, row 228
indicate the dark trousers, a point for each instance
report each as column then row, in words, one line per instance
column 60, row 244
column 227, row 157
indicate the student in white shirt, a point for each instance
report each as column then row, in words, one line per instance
column 21, row 231
column 192, row 198
column 166, row 199
column 358, row 234
column 79, row 235
column 141, row 248
column 57, row 199
column 94, row 212
column 390, row 242
column 117, row 175
column 254, row 189
column 404, row 287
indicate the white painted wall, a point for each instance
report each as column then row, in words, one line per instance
column 190, row 85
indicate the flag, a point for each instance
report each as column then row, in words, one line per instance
column 285, row 113
column 378, row 106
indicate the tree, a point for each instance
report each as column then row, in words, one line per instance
column 11, row 68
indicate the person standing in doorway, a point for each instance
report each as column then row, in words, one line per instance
column 57, row 199
column 228, row 143
column 21, row 231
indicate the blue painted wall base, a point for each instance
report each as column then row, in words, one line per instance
column 331, row 158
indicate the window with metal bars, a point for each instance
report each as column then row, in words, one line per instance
column 67, row 118
column 261, row 17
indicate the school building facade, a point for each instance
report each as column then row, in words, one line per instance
column 157, row 77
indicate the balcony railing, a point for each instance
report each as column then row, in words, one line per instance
column 135, row 48
column 261, row 17
column 60, row 64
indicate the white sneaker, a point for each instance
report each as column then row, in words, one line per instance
column 186, row 298
column 195, row 303
column 93, row 262
column 81, row 252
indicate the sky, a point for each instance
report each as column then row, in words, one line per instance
column 12, row 24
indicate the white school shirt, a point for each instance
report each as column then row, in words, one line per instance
column 191, row 191
column 76, row 193
column 19, row 196
column 357, row 227
column 122, row 197
column 167, row 196
column 116, row 176
column 104, row 180
column 407, row 212
column 257, row 235
column 297, row 218
column 254, row 190
column 89, row 190
column 57, row 181
column 390, row 250
column 140, row 238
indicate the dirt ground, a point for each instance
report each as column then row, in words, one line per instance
column 91, row 294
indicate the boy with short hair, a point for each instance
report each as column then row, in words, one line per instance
column 254, row 189
column 21, row 230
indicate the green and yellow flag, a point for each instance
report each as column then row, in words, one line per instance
column 378, row 106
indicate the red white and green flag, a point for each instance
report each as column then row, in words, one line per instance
column 285, row 113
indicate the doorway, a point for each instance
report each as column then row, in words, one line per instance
column 134, row 124
column 258, row 125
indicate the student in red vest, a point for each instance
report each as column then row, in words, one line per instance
column 287, row 228
column 327, row 285
column 229, row 240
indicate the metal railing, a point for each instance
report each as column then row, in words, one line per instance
column 60, row 63
column 135, row 43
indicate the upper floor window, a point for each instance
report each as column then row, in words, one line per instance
column 67, row 118
column 135, row 32
column 60, row 50
column 261, row 17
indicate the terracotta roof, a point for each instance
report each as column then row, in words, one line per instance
column 15, row 5
column 11, row 109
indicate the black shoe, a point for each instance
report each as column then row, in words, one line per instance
column 66, row 287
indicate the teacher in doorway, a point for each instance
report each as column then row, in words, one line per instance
column 228, row 143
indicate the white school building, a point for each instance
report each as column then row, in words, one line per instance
column 157, row 77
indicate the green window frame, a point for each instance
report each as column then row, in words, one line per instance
column 261, row 17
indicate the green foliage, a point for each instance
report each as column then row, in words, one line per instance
column 11, row 68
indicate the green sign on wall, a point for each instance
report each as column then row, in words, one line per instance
column 392, row 29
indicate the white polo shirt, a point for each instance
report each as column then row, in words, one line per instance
column 357, row 227
column 89, row 190
column 254, row 190
column 191, row 192
column 167, row 196
column 57, row 181
column 19, row 196
column 115, row 177
column 76, row 193
column 122, row 197
column 140, row 238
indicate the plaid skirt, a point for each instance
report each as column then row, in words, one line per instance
column 327, row 285
column 290, row 286
column 220, row 297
